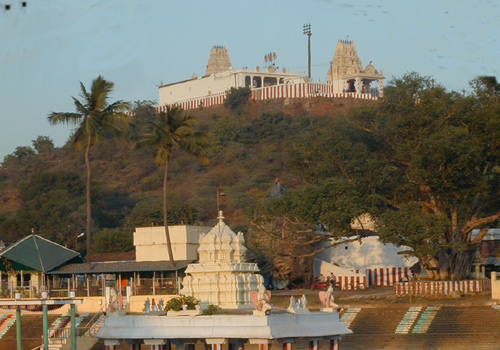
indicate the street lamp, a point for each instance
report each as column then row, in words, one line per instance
column 307, row 31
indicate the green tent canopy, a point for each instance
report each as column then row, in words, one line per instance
column 38, row 254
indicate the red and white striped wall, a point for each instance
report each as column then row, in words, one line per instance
column 441, row 288
column 299, row 90
column 387, row 276
column 303, row 90
column 352, row 282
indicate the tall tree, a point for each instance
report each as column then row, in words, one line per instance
column 288, row 231
column 94, row 118
column 445, row 149
column 172, row 129
column 43, row 144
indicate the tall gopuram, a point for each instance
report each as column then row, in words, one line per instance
column 218, row 60
column 346, row 72
column 222, row 275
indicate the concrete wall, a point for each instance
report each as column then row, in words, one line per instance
column 213, row 84
column 151, row 243
column 495, row 286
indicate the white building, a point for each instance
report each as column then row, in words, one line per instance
column 220, row 77
column 363, row 263
column 346, row 78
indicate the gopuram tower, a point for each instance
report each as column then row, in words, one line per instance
column 218, row 60
column 346, row 72
column 222, row 276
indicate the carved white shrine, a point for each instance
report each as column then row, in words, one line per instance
column 222, row 276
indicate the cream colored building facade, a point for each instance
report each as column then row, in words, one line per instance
column 151, row 243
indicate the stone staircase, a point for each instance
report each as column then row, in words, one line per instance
column 377, row 320
column 31, row 332
column 425, row 327
column 60, row 332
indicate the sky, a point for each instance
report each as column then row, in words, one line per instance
column 48, row 47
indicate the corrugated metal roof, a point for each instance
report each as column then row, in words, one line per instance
column 120, row 266
column 119, row 256
column 39, row 254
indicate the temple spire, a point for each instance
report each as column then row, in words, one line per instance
column 220, row 217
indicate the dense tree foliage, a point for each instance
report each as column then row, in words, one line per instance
column 22, row 152
column 49, row 202
column 288, row 229
column 422, row 161
column 237, row 98
column 43, row 144
column 443, row 149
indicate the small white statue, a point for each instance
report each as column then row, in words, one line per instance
column 327, row 299
column 147, row 304
column 261, row 300
column 161, row 305
column 303, row 301
column 298, row 306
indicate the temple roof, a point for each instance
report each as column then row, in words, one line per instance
column 222, row 245
column 346, row 64
column 274, row 326
column 39, row 254
column 120, row 266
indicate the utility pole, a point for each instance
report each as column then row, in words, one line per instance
column 307, row 31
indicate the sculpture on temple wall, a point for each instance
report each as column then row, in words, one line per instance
column 298, row 306
column 261, row 301
column 327, row 300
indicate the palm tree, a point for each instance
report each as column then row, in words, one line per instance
column 94, row 118
column 172, row 128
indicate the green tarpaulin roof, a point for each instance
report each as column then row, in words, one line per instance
column 39, row 254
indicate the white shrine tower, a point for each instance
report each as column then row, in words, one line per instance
column 222, row 276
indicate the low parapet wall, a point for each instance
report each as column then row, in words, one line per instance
column 440, row 288
column 495, row 285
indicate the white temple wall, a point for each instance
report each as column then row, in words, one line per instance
column 370, row 253
column 204, row 86
column 221, row 82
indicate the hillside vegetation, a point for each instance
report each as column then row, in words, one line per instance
column 422, row 161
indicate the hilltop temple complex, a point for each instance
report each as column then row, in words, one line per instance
column 346, row 78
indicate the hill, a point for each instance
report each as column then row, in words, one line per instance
column 247, row 150
column 422, row 161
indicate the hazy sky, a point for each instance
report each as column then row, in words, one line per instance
column 47, row 48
